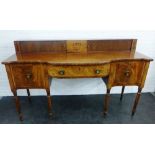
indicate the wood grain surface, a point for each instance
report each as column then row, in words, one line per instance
column 37, row 62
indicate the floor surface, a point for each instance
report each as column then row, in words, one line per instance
column 83, row 109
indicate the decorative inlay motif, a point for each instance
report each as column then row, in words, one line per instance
column 76, row 46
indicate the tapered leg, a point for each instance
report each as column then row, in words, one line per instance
column 136, row 100
column 18, row 108
column 106, row 103
column 49, row 103
column 28, row 93
column 123, row 87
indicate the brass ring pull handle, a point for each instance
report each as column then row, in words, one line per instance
column 127, row 73
column 97, row 71
column 29, row 76
column 61, row 72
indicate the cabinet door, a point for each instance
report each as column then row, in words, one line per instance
column 127, row 73
column 27, row 75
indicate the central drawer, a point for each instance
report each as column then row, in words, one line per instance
column 75, row 71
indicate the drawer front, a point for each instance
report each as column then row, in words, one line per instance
column 78, row 71
column 27, row 75
column 127, row 73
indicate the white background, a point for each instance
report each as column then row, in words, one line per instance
column 79, row 15
column 145, row 45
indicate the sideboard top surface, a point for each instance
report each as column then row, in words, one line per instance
column 73, row 58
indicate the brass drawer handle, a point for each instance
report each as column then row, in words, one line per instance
column 29, row 76
column 61, row 72
column 127, row 73
column 97, row 71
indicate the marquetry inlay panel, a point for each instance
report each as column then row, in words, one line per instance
column 76, row 46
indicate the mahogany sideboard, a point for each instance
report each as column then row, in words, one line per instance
column 37, row 62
